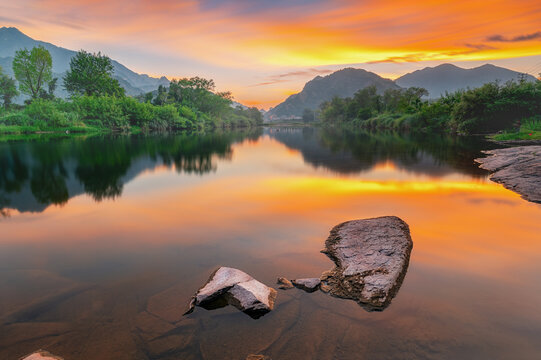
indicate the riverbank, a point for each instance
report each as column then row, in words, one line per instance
column 517, row 169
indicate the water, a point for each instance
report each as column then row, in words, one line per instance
column 104, row 240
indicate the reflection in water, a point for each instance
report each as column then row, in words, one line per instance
column 109, row 280
column 37, row 174
column 346, row 151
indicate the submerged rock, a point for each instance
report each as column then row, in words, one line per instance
column 516, row 168
column 371, row 258
column 308, row 285
column 41, row 355
column 229, row 286
column 284, row 283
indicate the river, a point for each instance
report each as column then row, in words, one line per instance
column 104, row 239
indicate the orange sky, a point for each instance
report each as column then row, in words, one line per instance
column 264, row 51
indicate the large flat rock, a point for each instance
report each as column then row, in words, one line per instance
column 516, row 168
column 371, row 258
column 229, row 286
column 41, row 355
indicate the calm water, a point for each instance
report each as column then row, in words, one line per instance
column 104, row 240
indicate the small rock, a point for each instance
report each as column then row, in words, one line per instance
column 284, row 283
column 41, row 355
column 257, row 357
column 308, row 285
column 229, row 286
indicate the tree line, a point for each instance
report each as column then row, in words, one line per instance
column 97, row 100
column 490, row 108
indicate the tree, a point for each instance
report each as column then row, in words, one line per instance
column 91, row 75
column 8, row 89
column 32, row 68
column 49, row 94
column 308, row 115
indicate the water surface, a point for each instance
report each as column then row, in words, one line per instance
column 104, row 240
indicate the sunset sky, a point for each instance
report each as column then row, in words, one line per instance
column 265, row 50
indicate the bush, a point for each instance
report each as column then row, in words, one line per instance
column 43, row 113
column 15, row 118
column 101, row 111
column 136, row 113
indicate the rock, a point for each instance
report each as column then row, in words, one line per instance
column 41, row 355
column 371, row 258
column 284, row 283
column 516, row 168
column 257, row 357
column 308, row 285
column 229, row 286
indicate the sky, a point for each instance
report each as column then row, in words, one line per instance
column 265, row 50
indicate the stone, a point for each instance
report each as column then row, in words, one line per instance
column 517, row 169
column 284, row 283
column 371, row 259
column 257, row 357
column 41, row 355
column 308, row 285
column 229, row 286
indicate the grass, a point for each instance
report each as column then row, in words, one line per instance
column 530, row 130
column 28, row 129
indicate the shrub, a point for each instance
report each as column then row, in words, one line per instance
column 101, row 111
column 136, row 113
column 15, row 118
column 44, row 113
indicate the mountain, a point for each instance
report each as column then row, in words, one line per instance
column 342, row 83
column 447, row 77
column 11, row 40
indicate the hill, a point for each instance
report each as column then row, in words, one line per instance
column 11, row 40
column 342, row 83
column 447, row 77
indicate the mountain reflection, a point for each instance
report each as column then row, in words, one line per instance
column 346, row 151
column 37, row 174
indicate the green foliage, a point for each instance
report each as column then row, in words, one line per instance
column 45, row 114
column 490, row 108
column 529, row 130
column 33, row 69
column 494, row 107
column 8, row 90
column 98, row 101
column 91, row 75
column 101, row 111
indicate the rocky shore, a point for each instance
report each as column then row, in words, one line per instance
column 517, row 169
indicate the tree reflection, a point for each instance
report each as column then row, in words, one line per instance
column 37, row 174
column 351, row 151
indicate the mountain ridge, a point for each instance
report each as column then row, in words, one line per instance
column 437, row 80
column 12, row 39
column 449, row 78
column 341, row 83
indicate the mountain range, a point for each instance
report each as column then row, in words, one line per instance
column 11, row 40
column 344, row 83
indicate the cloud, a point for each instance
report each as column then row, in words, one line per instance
column 480, row 47
column 527, row 37
column 278, row 78
column 399, row 59
column 11, row 20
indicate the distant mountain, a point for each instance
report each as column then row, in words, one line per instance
column 11, row 40
column 447, row 77
column 342, row 83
